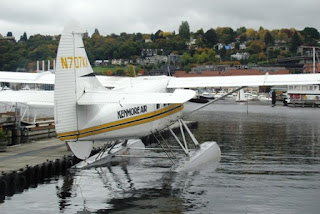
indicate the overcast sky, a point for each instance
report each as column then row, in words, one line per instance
column 48, row 17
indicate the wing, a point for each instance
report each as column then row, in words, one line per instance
column 103, row 97
column 49, row 78
column 22, row 77
column 39, row 98
column 238, row 81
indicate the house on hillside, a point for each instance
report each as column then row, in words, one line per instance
column 151, row 52
column 307, row 50
column 147, row 41
column 9, row 38
column 240, row 56
column 219, row 46
column 157, row 59
column 242, row 46
column 191, row 43
column 100, row 62
column 232, row 46
column 281, row 45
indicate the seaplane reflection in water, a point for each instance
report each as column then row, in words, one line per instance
column 121, row 111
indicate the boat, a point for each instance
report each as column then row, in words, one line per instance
column 222, row 93
column 251, row 95
column 207, row 95
column 303, row 94
column 240, row 96
column 199, row 98
column 264, row 98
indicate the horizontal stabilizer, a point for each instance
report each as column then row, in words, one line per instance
column 44, row 98
column 104, row 97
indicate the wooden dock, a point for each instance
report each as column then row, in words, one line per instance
column 19, row 156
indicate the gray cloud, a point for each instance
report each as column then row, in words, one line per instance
column 49, row 16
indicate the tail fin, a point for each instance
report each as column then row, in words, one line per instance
column 73, row 76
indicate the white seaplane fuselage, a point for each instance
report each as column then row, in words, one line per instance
column 116, row 121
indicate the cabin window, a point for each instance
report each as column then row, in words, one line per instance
column 158, row 106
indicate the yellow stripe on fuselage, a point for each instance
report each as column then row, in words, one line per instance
column 120, row 124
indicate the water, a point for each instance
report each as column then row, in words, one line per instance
column 270, row 164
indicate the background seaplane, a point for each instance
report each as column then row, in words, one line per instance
column 87, row 111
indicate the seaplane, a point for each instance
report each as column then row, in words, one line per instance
column 120, row 111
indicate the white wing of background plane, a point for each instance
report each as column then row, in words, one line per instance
column 179, row 96
column 237, row 81
column 43, row 98
column 22, row 77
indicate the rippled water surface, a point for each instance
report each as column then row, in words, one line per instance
column 270, row 164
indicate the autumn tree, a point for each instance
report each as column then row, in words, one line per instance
column 251, row 34
column 226, row 35
column 109, row 73
column 130, row 72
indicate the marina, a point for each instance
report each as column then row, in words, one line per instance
column 150, row 160
column 270, row 164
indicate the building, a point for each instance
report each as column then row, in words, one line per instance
column 219, row 46
column 223, row 70
column 240, row 56
column 174, row 58
column 242, row 46
column 151, row 52
column 8, row 38
column 307, row 50
column 308, row 68
column 281, row 45
column 191, row 43
column 100, row 62
column 147, row 41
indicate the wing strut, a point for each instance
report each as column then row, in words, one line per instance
column 212, row 101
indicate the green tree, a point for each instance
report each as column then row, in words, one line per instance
column 24, row 37
column 120, row 72
column 295, row 42
column 184, row 30
column 96, row 32
column 268, row 38
column 203, row 57
column 139, row 36
column 311, row 35
column 211, row 37
column 241, row 30
column 130, row 72
column 212, row 55
column 186, row 58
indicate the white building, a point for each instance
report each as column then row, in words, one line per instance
column 240, row 56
